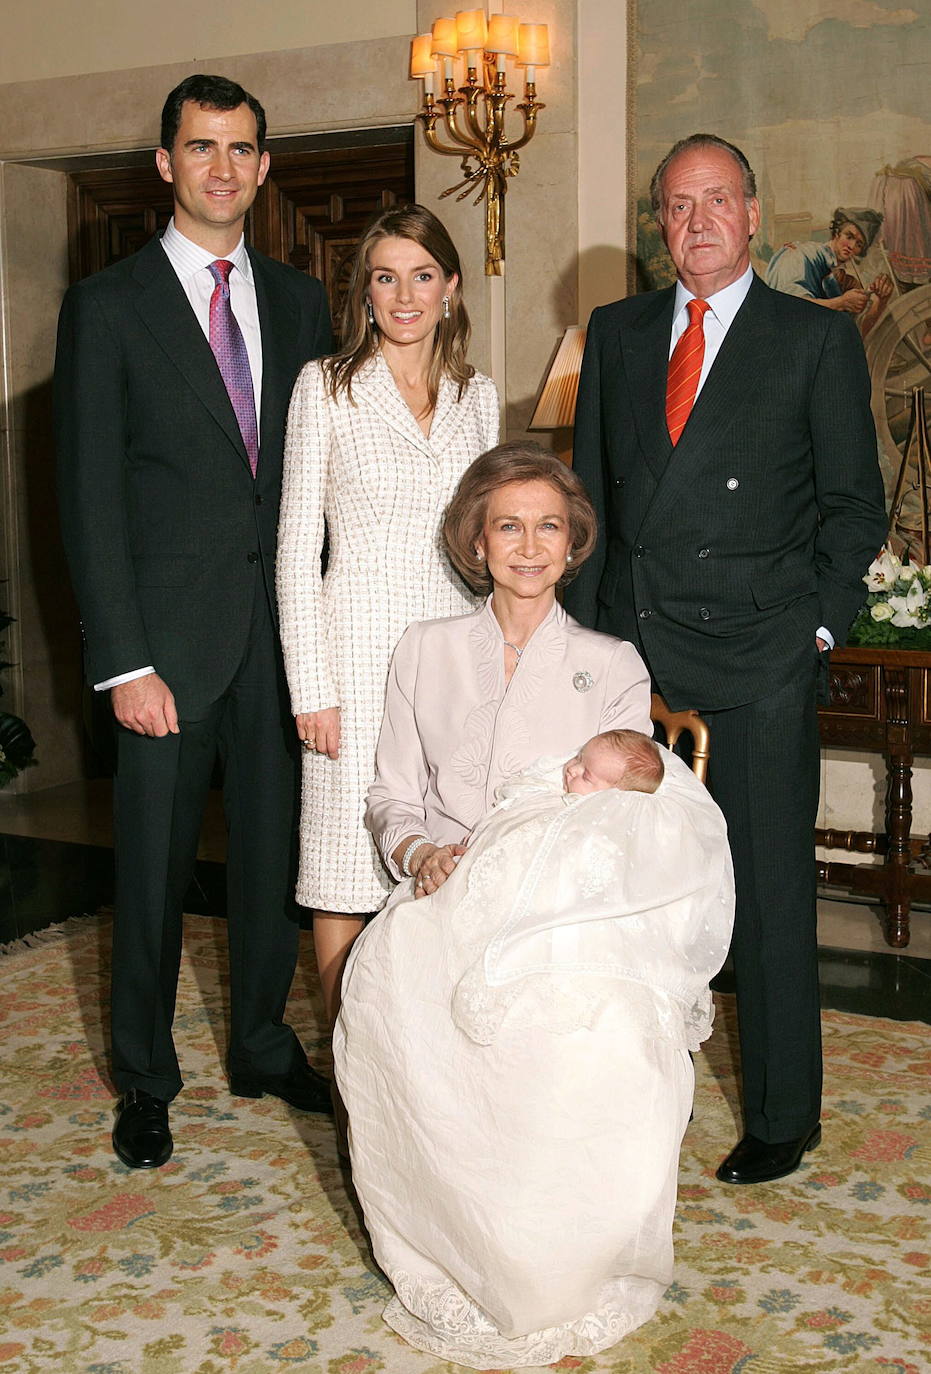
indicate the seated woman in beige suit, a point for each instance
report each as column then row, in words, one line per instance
column 514, row 1035
column 475, row 698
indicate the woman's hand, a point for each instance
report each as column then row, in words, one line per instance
column 432, row 864
column 319, row 730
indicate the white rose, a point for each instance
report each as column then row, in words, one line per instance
column 907, row 574
column 881, row 611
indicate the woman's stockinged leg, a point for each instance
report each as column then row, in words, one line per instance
column 334, row 933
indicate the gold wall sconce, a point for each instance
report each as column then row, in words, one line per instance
column 472, row 117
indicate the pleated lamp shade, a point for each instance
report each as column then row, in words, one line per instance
column 556, row 407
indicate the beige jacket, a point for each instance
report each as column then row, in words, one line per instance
column 453, row 730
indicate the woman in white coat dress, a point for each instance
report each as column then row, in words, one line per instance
column 515, row 1148
column 378, row 436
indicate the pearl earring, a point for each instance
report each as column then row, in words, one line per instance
column 445, row 307
column 568, row 557
column 371, row 313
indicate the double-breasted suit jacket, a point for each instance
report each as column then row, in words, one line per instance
column 171, row 544
column 721, row 559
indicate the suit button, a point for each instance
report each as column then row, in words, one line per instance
column 645, row 614
column 259, row 500
column 253, row 558
column 732, row 484
column 703, row 553
column 639, row 551
column 705, row 613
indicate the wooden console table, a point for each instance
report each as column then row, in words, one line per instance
column 881, row 699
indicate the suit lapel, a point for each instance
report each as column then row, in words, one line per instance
column 375, row 387
column 279, row 322
column 447, row 417
column 166, row 312
column 645, row 351
column 737, row 369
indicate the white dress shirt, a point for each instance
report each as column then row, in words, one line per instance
column 723, row 307
column 192, row 268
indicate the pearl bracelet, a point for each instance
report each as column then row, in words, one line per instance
column 409, row 852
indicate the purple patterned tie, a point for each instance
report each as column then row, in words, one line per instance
column 229, row 349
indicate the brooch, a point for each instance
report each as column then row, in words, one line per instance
column 583, row 682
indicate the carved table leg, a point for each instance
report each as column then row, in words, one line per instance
column 898, row 806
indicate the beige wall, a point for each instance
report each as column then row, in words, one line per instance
column 51, row 38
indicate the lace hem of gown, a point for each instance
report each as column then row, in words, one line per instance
column 439, row 1318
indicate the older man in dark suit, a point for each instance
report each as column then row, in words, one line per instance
column 172, row 380
column 724, row 432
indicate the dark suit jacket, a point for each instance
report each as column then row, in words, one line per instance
column 721, row 557
column 162, row 521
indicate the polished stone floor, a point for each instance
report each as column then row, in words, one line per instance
column 56, row 861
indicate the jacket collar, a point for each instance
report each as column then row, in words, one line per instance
column 742, row 360
column 164, row 309
column 375, row 387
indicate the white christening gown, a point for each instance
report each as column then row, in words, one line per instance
column 513, row 1052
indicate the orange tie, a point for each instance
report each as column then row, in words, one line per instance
column 685, row 370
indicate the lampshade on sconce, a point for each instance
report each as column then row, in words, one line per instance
column 555, row 408
column 472, row 118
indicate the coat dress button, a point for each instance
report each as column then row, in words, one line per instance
column 252, row 558
column 704, row 613
column 703, row 553
column 645, row 614
column 732, row 484
column 639, row 551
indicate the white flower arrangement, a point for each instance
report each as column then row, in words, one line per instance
column 898, row 607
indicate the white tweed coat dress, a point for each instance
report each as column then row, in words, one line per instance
column 381, row 486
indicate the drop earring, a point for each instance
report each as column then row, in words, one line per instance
column 445, row 307
column 371, row 313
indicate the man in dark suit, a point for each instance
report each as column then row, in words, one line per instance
column 172, row 380
column 732, row 557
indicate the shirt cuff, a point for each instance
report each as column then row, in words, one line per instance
column 123, row 677
column 822, row 633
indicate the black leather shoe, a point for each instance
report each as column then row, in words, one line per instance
column 142, row 1136
column 760, row 1161
column 303, row 1088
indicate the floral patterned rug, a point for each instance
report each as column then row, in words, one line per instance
column 245, row 1255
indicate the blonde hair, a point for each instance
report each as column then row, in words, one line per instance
column 644, row 761
column 360, row 338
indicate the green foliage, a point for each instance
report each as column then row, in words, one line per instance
column 868, row 632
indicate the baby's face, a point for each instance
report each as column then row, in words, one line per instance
column 594, row 769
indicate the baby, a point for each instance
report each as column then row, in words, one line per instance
column 625, row 759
